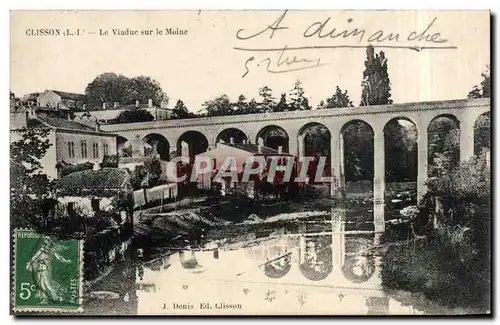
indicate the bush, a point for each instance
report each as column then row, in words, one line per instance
column 110, row 161
column 66, row 170
column 452, row 266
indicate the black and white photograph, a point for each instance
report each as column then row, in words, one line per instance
column 250, row 163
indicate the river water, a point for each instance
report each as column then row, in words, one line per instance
column 309, row 260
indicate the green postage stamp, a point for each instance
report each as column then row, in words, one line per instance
column 47, row 273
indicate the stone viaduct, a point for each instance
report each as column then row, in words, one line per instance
column 290, row 126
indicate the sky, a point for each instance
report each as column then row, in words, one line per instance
column 204, row 63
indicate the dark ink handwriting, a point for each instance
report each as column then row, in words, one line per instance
column 426, row 36
column 321, row 29
column 316, row 28
column 284, row 63
column 273, row 28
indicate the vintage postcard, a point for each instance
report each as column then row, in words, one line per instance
column 278, row 162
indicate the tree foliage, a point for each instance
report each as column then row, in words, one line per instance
column 339, row 99
column 298, row 101
column 484, row 88
column 267, row 102
column 400, row 141
column 29, row 188
column 444, row 146
column 358, row 151
column 376, row 85
column 180, row 111
column 220, row 106
column 111, row 87
column 134, row 115
column 282, row 105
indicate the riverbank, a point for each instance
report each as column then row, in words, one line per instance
column 421, row 268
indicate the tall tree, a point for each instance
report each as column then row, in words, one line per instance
column 241, row 105
column 282, row 104
column 376, row 85
column 29, row 188
column 339, row 99
column 267, row 99
column 298, row 102
column 111, row 87
column 253, row 107
column 144, row 88
column 180, row 110
column 14, row 101
column 220, row 106
column 483, row 90
column 108, row 88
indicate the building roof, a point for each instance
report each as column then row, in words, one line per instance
column 253, row 148
column 123, row 107
column 71, row 96
column 103, row 182
column 60, row 123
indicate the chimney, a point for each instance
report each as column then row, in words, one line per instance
column 32, row 112
column 231, row 140
column 150, row 103
column 103, row 105
column 137, row 103
column 115, row 105
column 280, row 149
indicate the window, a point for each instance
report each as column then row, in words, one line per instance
column 95, row 150
column 70, row 208
column 71, row 149
column 94, row 203
column 84, row 149
column 105, row 149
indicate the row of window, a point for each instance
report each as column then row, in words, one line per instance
column 83, row 146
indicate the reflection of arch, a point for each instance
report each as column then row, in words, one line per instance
column 226, row 135
column 195, row 143
column 400, row 143
column 190, row 263
column 123, row 147
column 315, row 139
column 482, row 133
column 315, row 261
column 357, row 145
column 188, row 260
column 278, row 267
column 156, row 144
column 274, row 136
column 358, row 269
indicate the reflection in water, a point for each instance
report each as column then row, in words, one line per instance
column 327, row 273
column 358, row 269
column 278, row 267
column 316, row 257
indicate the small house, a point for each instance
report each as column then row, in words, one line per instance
column 89, row 192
